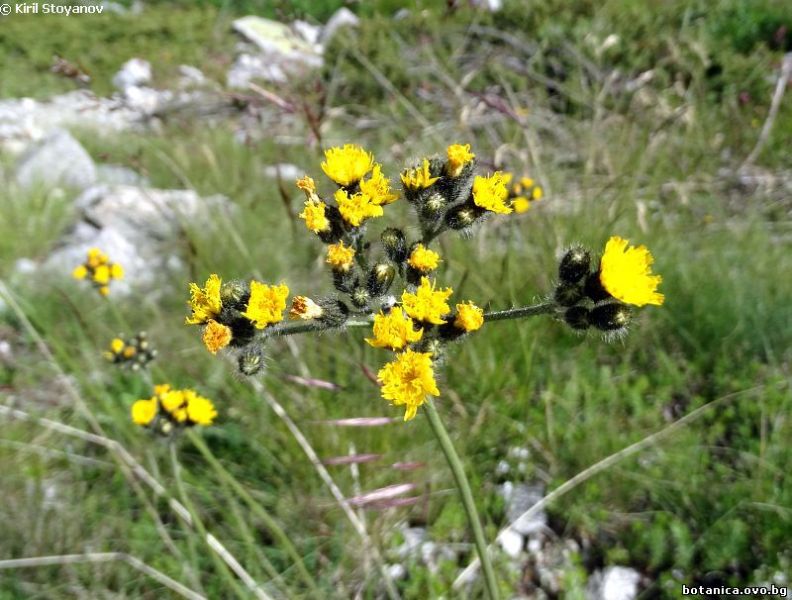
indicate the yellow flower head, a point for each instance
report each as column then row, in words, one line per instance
column 418, row 178
column 266, row 304
column 304, row 308
column 95, row 258
column 520, row 204
column 205, row 303
column 161, row 389
column 80, row 272
column 537, row 193
column 199, row 410
column 175, row 404
column 490, row 193
column 394, row 330
column 216, row 336
column 129, row 351
column 102, row 274
column 314, row 215
column 116, row 271
column 355, row 209
column 144, row 411
column 117, row 345
column 347, row 165
column 407, row 380
column 307, row 185
column 422, row 259
column 427, row 304
column 104, row 290
column 458, row 157
column 340, row 257
column 377, row 187
column 626, row 273
column 469, row 317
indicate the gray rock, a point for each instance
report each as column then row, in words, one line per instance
column 613, row 583
column 58, row 161
column 343, row 17
column 396, row 571
column 519, row 498
column 118, row 175
column 310, row 33
column 136, row 227
column 248, row 68
column 135, row 72
column 191, row 77
column 414, row 537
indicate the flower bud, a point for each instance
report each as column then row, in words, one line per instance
column 593, row 288
column 463, row 217
column 577, row 317
column 344, row 281
column 235, row 294
column 610, row 317
column 360, row 297
column 334, row 312
column 336, row 230
column 379, row 279
column 574, row 265
column 251, row 360
column 395, row 244
column 568, row 294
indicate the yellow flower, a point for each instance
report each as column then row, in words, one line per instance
column 116, row 271
column 377, row 187
column 490, row 193
column 307, row 185
column 205, row 303
column 266, row 304
column 458, row 157
column 314, row 215
column 216, row 336
column 626, row 273
column 102, row 274
column 422, row 259
column 520, row 204
column 144, row 411
column 117, row 345
column 199, row 410
column 347, row 165
column 80, row 272
column 304, row 308
column 537, row 193
column 407, row 380
column 340, row 257
column 174, row 402
column 418, row 178
column 129, row 351
column 104, row 290
column 469, row 317
column 95, row 258
column 161, row 389
column 427, row 304
column 355, row 209
column 394, row 330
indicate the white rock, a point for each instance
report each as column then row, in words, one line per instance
column 135, row 227
column 191, row 77
column 135, row 72
column 118, row 175
column 414, row 537
column 512, row 542
column 6, row 354
column 519, row 498
column 343, row 17
column 614, row 583
column 146, row 100
column 310, row 33
column 58, row 161
column 397, row 571
column 248, row 68
column 490, row 5
column 25, row 266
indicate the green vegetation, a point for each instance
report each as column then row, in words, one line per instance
column 534, row 91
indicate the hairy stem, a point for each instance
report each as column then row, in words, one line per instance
column 466, row 495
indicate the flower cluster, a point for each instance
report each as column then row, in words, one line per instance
column 170, row 408
column 133, row 353
column 523, row 192
column 99, row 270
column 601, row 297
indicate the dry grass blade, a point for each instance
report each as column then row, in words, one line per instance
column 381, row 494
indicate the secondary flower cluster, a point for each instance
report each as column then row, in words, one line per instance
column 169, row 408
column 133, row 353
column 523, row 192
column 600, row 298
column 99, row 270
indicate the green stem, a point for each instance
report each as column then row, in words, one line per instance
column 466, row 495
column 257, row 509
column 520, row 312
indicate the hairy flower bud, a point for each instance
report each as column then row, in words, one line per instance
column 395, row 244
column 251, row 360
column 610, row 317
column 568, row 294
column 574, row 265
column 235, row 294
column 380, row 279
column 593, row 288
column 463, row 217
column 577, row 317
column 360, row 297
column 334, row 312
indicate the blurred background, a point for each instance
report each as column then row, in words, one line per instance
column 169, row 134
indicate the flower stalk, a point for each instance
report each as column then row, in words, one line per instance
column 465, row 494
